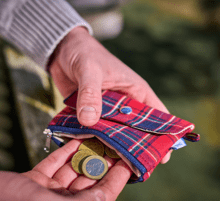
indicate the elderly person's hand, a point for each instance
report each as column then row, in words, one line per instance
column 81, row 62
column 54, row 179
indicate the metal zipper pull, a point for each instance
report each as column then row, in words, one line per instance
column 48, row 140
column 65, row 135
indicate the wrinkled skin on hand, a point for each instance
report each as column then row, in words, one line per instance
column 81, row 62
column 54, row 179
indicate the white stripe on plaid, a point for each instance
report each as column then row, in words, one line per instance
column 165, row 123
column 68, row 116
column 146, row 150
column 115, row 130
column 142, row 119
column 114, row 106
column 159, row 122
column 132, row 140
column 151, row 154
column 191, row 126
column 138, row 143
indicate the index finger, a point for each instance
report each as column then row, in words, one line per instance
column 114, row 181
column 57, row 159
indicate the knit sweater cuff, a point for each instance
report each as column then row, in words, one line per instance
column 37, row 27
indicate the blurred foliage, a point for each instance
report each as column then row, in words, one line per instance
column 210, row 4
column 180, row 60
column 174, row 56
column 193, row 172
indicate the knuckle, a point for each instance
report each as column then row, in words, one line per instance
column 98, row 195
column 87, row 90
column 67, row 149
column 77, row 70
column 108, row 191
column 81, row 66
column 88, row 93
column 52, row 159
column 60, row 181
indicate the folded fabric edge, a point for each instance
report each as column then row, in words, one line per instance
column 191, row 127
column 112, row 142
column 71, row 102
column 192, row 137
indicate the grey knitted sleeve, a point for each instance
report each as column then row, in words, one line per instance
column 37, row 26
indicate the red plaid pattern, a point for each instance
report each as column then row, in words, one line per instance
column 146, row 133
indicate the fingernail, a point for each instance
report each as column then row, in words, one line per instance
column 87, row 113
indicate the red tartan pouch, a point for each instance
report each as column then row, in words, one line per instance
column 140, row 134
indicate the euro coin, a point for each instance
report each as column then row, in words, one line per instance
column 78, row 158
column 93, row 144
column 111, row 153
column 94, row 167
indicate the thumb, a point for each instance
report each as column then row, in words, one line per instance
column 89, row 100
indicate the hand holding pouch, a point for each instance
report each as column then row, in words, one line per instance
column 140, row 134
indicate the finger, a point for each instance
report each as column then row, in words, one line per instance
column 62, row 81
column 83, row 182
column 46, row 182
column 146, row 95
column 166, row 158
column 137, row 88
column 58, row 158
column 17, row 187
column 65, row 175
column 114, row 181
column 42, row 179
column 89, row 100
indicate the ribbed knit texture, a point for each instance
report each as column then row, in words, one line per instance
column 37, row 26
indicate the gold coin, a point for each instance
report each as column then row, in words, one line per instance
column 78, row 158
column 111, row 153
column 93, row 144
column 94, row 167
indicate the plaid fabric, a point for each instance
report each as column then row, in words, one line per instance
column 142, row 117
column 144, row 136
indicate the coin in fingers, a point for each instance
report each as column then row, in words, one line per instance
column 78, row 158
column 94, row 167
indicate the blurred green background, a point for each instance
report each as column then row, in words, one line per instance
column 175, row 46
column 178, row 54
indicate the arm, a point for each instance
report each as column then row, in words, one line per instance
column 36, row 27
column 40, row 28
